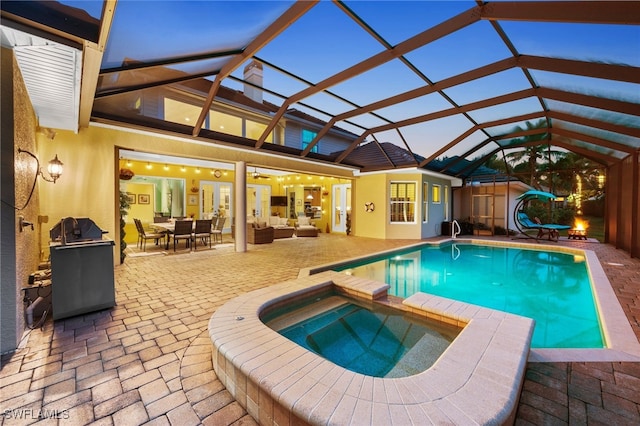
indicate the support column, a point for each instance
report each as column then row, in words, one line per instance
column 241, row 206
column 635, row 206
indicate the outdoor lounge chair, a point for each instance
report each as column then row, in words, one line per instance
column 525, row 224
column 552, row 230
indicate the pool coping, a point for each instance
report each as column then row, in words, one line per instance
column 476, row 380
column 622, row 343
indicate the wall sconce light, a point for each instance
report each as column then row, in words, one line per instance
column 54, row 168
column 309, row 197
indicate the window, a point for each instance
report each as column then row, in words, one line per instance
column 403, row 202
column 225, row 123
column 435, row 194
column 180, row 112
column 307, row 137
column 254, row 131
column 425, row 202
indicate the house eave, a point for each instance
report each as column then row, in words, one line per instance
column 412, row 170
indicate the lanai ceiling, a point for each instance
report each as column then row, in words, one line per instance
column 439, row 79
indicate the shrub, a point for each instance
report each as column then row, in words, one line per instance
column 564, row 216
column 538, row 210
column 559, row 215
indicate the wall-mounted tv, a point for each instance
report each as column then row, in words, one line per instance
column 278, row 201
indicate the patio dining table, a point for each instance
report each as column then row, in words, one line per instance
column 169, row 228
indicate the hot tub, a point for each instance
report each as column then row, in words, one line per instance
column 367, row 338
column 476, row 380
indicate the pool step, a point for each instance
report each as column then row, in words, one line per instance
column 306, row 312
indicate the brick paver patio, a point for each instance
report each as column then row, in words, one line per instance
column 147, row 361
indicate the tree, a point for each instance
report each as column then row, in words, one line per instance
column 527, row 162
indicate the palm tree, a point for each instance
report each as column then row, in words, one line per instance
column 529, row 160
column 496, row 163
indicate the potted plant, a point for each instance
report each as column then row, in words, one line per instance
column 124, row 207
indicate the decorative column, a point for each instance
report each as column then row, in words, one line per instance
column 241, row 206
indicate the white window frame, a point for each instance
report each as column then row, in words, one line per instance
column 446, row 203
column 404, row 210
column 425, row 202
column 435, row 186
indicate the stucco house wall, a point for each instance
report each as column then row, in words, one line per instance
column 375, row 188
column 19, row 254
column 88, row 186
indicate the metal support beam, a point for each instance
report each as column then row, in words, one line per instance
column 591, row 12
column 434, row 33
column 91, row 60
column 298, row 9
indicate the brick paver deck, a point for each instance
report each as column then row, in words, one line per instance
column 147, row 361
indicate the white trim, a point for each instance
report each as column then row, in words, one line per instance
column 412, row 170
column 414, row 202
column 222, row 147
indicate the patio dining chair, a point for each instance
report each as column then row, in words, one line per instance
column 202, row 231
column 183, row 230
column 144, row 235
column 217, row 230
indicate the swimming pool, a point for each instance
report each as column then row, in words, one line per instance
column 366, row 338
column 551, row 287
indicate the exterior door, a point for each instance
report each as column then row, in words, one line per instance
column 215, row 200
column 341, row 207
column 259, row 200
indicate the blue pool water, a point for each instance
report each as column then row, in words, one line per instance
column 553, row 288
column 368, row 339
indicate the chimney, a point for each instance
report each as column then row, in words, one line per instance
column 253, row 75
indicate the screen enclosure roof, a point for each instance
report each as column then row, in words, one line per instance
column 438, row 79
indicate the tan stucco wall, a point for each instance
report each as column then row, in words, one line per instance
column 88, row 186
column 375, row 188
column 370, row 188
column 19, row 249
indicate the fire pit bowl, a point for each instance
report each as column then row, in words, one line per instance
column 577, row 234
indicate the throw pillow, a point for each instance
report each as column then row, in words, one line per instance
column 283, row 221
column 303, row 220
column 274, row 220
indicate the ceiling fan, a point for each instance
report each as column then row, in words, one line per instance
column 257, row 175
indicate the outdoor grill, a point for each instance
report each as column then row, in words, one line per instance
column 76, row 230
column 82, row 277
